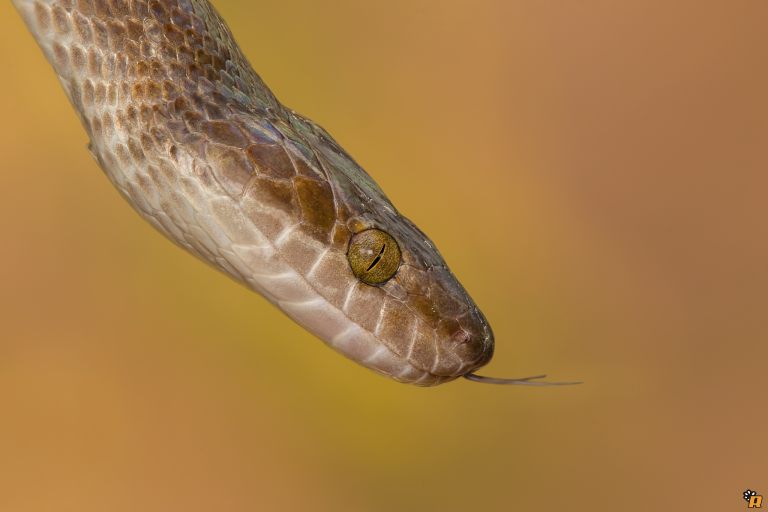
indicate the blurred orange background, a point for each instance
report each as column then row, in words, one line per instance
column 595, row 174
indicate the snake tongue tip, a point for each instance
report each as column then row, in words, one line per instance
column 524, row 381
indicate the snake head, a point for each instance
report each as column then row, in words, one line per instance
column 422, row 314
column 412, row 319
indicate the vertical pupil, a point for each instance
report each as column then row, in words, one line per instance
column 373, row 256
column 377, row 259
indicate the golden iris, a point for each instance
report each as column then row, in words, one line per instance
column 374, row 256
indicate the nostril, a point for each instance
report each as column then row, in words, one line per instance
column 461, row 336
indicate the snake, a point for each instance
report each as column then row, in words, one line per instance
column 191, row 136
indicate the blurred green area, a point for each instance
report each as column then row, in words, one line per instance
column 595, row 174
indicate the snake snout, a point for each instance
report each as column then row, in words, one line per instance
column 464, row 345
column 476, row 343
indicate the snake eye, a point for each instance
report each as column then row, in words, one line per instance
column 374, row 256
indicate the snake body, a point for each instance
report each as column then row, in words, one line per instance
column 195, row 141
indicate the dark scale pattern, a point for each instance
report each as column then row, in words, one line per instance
column 193, row 138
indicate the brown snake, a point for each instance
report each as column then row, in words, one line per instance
column 199, row 146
